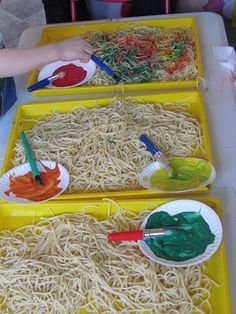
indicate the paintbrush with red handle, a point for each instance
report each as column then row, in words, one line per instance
column 135, row 235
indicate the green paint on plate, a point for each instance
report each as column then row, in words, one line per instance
column 181, row 244
column 191, row 173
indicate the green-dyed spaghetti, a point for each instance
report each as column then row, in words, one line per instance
column 145, row 54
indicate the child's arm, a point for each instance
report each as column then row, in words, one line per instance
column 14, row 61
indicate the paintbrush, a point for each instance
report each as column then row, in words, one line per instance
column 105, row 68
column 31, row 159
column 140, row 235
column 158, row 155
column 45, row 82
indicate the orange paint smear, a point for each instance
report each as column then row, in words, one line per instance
column 26, row 187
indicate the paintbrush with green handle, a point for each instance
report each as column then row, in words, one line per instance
column 31, row 159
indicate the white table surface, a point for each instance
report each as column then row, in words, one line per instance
column 220, row 101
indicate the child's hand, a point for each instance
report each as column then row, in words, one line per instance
column 74, row 48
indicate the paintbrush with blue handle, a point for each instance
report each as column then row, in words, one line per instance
column 44, row 82
column 157, row 154
column 105, row 68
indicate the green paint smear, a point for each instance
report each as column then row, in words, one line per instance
column 182, row 244
column 190, row 173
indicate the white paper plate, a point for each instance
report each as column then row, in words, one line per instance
column 25, row 168
column 176, row 207
column 47, row 70
column 147, row 172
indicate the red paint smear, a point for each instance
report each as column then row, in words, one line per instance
column 25, row 186
column 73, row 74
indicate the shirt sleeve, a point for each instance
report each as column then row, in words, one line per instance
column 7, row 89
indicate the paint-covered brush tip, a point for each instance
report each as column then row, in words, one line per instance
column 116, row 77
column 38, row 180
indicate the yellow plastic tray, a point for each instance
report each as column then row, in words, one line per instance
column 34, row 111
column 55, row 33
column 14, row 216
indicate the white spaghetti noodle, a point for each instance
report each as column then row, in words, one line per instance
column 64, row 264
column 100, row 147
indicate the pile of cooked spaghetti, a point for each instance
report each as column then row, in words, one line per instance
column 64, row 264
column 144, row 54
column 100, row 146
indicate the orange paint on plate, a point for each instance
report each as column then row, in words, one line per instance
column 25, row 186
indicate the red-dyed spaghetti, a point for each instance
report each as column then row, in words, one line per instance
column 25, row 186
column 73, row 74
column 144, row 54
